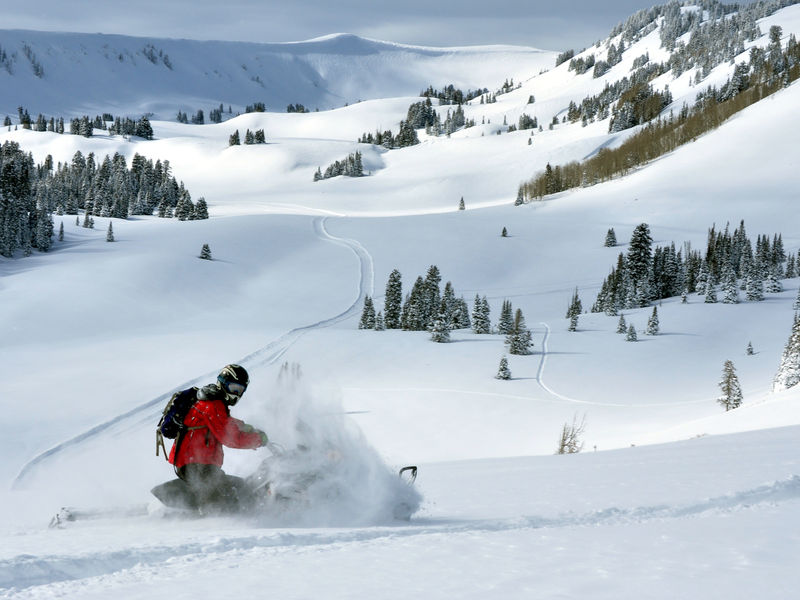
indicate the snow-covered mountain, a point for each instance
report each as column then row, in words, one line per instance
column 67, row 74
column 671, row 497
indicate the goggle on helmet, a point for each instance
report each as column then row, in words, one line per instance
column 233, row 379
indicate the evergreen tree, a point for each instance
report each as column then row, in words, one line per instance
column 773, row 285
column 711, row 293
column 234, row 140
column 702, row 279
column 755, row 287
column 631, row 334
column 367, row 315
column 749, row 350
column 461, row 205
column 460, row 317
column 573, row 323
column 144, row 129
column 519, row 338
column 414, row 317
column 201, row 209
column 440, row 331
column 448, row 304
column 506, row 323
column 205, row 252
column 639, row 254
column 652, row 323
column 575, row 305
column 431, row 298
column 110, row 233
column 504, row 233
column 730, row 287
column 503, row 372
column 731, row 390
column 380, row 323
column 481, row 322
column 393, row 301
column 611, row 238
column 61, row 232
column 622, row 326
column 788, row 374
column 796, row 304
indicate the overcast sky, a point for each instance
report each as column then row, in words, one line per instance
column 551, row 24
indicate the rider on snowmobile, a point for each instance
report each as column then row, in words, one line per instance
column 197, row 453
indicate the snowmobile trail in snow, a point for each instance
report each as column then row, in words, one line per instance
column 554, row 394
column 148, row 412
column 26, row 571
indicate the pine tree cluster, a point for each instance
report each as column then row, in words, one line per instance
column 85, row 125
column 349, row 167
column 156, row 55
column 25, row 214
column 31, row 194
column 512, row 325
column 250, row 138
column 730, row 260
column 564, row 56
column 422, row 115
column 425, row 308
column 255, row 107
column 406, row 136
column 723, row 35
column 452, row 95
column 527, row 122
column 581, row 65
column 214, row 116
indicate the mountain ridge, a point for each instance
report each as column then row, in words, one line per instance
column 51, row 72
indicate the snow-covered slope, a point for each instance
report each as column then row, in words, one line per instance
column 64, row 74
column 96, row 335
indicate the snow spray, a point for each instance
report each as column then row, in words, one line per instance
column 326, row 472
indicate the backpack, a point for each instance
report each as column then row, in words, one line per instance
column 171, row 424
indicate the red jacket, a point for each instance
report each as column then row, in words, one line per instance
column 214, row 428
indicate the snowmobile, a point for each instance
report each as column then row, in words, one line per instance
column 284, row 484
column 284, row 481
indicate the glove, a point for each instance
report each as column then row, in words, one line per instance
column 264, row 438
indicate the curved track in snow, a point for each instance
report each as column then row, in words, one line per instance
column 269, row 354
column 552, row 392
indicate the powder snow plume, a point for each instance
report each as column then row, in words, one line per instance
column 325, row 472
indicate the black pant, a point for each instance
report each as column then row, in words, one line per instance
column 214, row 490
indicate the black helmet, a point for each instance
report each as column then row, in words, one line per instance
column 233, row 379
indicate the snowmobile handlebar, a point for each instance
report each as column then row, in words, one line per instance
column 412, row 474
column 275, row 448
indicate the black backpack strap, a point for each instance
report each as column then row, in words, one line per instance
column 182, row 429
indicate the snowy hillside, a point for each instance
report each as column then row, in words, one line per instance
column 67, row 75
column 672, row 496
